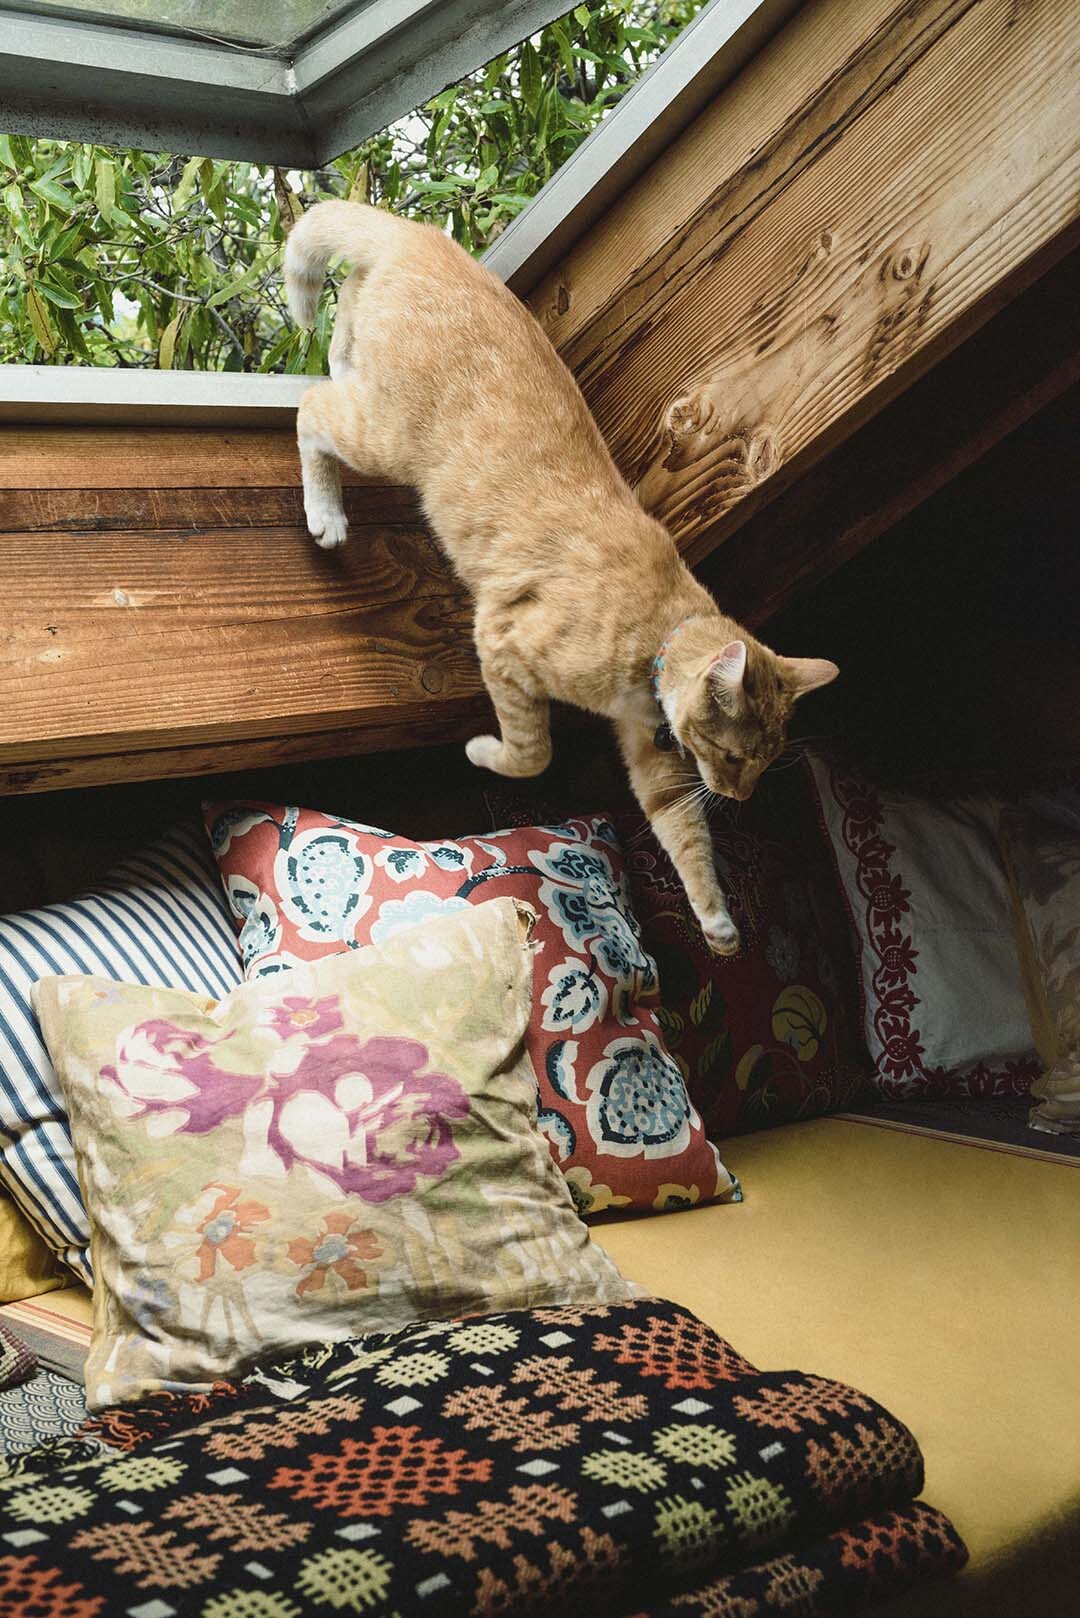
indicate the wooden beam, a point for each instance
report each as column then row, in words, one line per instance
column 115, row 457
column 878, row 183
column 459, row 721
column 162, row 626
column 1014, row 367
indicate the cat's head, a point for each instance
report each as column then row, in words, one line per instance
column 728, row 702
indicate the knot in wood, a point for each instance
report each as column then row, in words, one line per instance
column 909, row 263
column 433, row 679
column 763, row 455
column 690, row 414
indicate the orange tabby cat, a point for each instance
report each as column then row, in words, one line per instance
column 443, row 380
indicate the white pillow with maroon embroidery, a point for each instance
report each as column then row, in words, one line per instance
column 944, row 1004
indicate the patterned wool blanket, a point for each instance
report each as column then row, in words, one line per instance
column 618, row 1460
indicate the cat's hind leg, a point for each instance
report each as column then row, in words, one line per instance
column 524, row 744
column 329, row 430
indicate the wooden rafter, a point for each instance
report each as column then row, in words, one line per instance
column 1015, row 366
column 875, row 185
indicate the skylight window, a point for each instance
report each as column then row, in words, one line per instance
column 253, row 23
column 294, row 83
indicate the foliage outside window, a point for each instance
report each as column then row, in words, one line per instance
column 129, row 258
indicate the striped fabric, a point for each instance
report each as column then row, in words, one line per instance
column 159, row 918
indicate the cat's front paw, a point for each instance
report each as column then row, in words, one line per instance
column 485, row 752
column 721, row 933
column 328, row 529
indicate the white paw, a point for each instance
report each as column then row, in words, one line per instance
column 485, row 752
column 328, row 529
column 721, row 933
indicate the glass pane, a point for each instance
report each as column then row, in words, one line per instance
column 246, row 22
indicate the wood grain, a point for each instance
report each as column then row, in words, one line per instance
column 156, row 644
column 916, row 189
column 788, row 99
column 167, row 625
column 218, row 576
column 190, row 509
column 149, row 458
column 459, row 721
column 970, row 405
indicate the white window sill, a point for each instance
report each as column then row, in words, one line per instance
column 99, row 394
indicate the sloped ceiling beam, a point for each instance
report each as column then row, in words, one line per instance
column 874, row 186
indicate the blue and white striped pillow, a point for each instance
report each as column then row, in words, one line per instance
column 159, row 918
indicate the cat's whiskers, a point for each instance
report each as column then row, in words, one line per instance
column 699, row 794
column 783, row 762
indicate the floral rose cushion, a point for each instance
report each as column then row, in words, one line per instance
column 925, row 886
column 773, row 1033
column 613, row 1104
column 342, row 1149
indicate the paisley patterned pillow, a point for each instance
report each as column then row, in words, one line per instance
column 771, row 1034
column 344, row 1149
column 613, row 1104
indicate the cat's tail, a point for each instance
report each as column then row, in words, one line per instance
column 353, row 230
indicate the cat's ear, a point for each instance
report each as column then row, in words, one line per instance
column 726, row 673
column 803, row 674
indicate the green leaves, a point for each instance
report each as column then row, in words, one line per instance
column 212, row 183
column 167, row 343
column 183, row 193
column 289, row 205
column 59, row 295
column 235, row 288
column 530, row 76
column 55, row 194
column 38, row 312
column 105, row 186
column 112, row 256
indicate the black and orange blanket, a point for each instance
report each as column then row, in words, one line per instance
column 621, row 1460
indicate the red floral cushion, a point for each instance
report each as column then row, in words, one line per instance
column 771, row 1034
column 612, row 1103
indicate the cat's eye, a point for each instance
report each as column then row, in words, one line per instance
column 733, row 758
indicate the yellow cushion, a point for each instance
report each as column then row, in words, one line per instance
column 27, row 1268
column 943, row 1279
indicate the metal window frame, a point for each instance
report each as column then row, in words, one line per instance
column 706, row 56
column 125, row 86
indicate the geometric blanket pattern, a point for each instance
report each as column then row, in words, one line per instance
column 618, row 1459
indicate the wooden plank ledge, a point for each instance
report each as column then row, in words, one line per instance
column 168, row 614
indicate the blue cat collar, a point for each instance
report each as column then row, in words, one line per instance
column 658, row 661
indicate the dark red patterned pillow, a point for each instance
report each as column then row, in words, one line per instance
column 773, row 1033
column 612, row 1104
